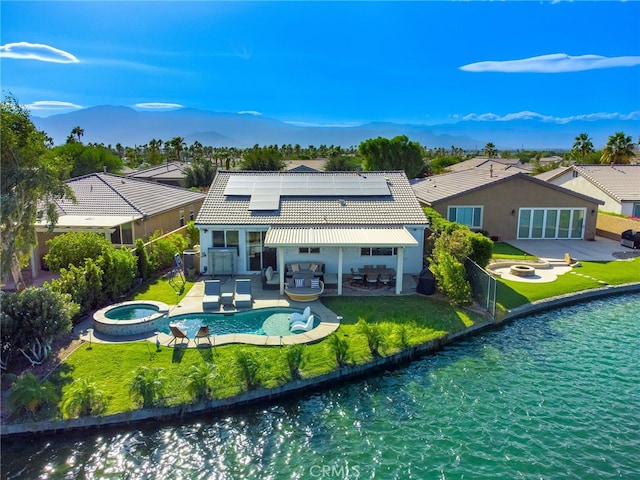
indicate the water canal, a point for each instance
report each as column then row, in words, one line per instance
column 552, row 396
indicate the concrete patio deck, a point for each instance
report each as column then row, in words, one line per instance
column 192, row 303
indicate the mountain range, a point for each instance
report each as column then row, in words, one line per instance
column 111, row 125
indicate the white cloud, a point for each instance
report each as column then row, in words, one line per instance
column 158, row 106
column 555, row 63
column 250, row 112
column 49, row 105
column 527, row 115
column 36, row 51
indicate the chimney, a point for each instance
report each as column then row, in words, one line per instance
column 104, row 169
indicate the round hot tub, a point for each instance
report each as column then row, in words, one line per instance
column 522, row 270
column 130, row 318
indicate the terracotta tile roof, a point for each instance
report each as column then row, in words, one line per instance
column 399, row 207
column 107, row 194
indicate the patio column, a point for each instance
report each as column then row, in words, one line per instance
column 281, row 271
column 399, row 264
column 339, row 270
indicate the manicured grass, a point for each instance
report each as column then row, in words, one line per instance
column 161, row 291
column 112, row 365
column 513, row 294
column 502, row 250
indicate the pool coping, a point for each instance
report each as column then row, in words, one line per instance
column 108, row 326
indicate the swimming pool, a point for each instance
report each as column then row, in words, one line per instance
column 262, row 321
column 130, row 318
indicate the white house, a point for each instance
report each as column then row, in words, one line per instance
column 252, row 220
column 618, row 186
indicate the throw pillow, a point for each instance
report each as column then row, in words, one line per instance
column 269, row 273
column 315, row 283
column 299, row 282
column 313, row 267
column 295, row 267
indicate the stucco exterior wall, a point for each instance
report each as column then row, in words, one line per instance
column 502, row 201
column 611, row 227
column 581, row 185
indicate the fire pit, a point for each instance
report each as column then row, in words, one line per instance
column 522, row 270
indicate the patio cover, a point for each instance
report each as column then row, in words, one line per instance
column 339, row 237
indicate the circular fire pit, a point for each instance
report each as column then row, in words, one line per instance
column 522, row 270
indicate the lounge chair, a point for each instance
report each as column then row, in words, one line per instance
column 304, row 326
column 203, row 332
column 300, row 317
column 177, row 334
column 211, row 299
column 242, row 297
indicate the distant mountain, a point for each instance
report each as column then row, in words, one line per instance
column 111, row 125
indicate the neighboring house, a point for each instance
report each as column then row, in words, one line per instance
column 617, row 186
column 254, row 220
column 170, row 173
column 487, row 163
column 122, row 209
column 312, row 165
column 509, row 205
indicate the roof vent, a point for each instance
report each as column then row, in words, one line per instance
column 343, row 202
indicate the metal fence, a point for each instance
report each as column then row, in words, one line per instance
column 483, row 286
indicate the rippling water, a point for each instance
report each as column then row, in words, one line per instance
column 553, row 396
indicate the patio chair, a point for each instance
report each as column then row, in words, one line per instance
column 242, row 297
column 372, row 280
column 384, row 279
column 356, row 277
column 304, row 326
column 177, row 334
column 211, row 299
column 203, row 332
column 300, row 317
column 381, row 266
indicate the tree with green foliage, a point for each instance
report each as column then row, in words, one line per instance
column 200, row 380
column 85, row 159
column 29, row 187
column 173, row 148
column 31, row 319
column 119, row 268
column 490, row 150
column 83, row 398
column 341, row 163
column 450, row 276
column 147, row 386
column 199, row 174
column 161, row 250
column 28, row 394
column 142, row 259
column 262, row 159
column 582, row 146
column 620, row 149
column 396, row 154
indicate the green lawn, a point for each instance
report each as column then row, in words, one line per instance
column 502, row 250
column 111, row 365
column 161, row 291
column 512, row 294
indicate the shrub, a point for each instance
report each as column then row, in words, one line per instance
column 83, row 398
column 451, row 278
column 74, row 248
column 83, row 284
column 119, row 267
column 294, row 356
column 192, row 234
column 29, row 394
column 200, row 381
column 147, row 386
column 142, row 260
column 247, row 368
column 162, row 250
column 374, row 335
column 481, row 248
column 339, row 347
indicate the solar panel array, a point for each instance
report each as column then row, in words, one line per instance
column 265, row 191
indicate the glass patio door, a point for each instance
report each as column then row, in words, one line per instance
column 259, row 256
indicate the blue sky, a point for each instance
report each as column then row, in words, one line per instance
column 333, row 63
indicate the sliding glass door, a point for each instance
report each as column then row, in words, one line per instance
column 551, row 223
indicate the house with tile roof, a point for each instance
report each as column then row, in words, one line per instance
column 487, row 163
column 254, row 220
column 120, row 208
column 509, row 205
column 617, row 186
column 169, row 173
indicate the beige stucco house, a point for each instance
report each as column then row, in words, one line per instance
column 509, row 205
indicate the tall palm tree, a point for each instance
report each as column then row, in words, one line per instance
column 619, row 149
column 490, row 150
column 582, row 146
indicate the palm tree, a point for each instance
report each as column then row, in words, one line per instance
column 78, row 132
column 29, row 394
column 83, row 398
column 582, row 146
column 200, row 380
column 147, row 385
column 247, row 368
column 490, row 150
column 619, row 149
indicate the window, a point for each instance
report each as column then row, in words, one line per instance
column 636, row 210
column 309, row 250
column 551, row 223
column 469, row 216
column 226, row 239
column 182, row 217
column 378, row 251
column 192, row 213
